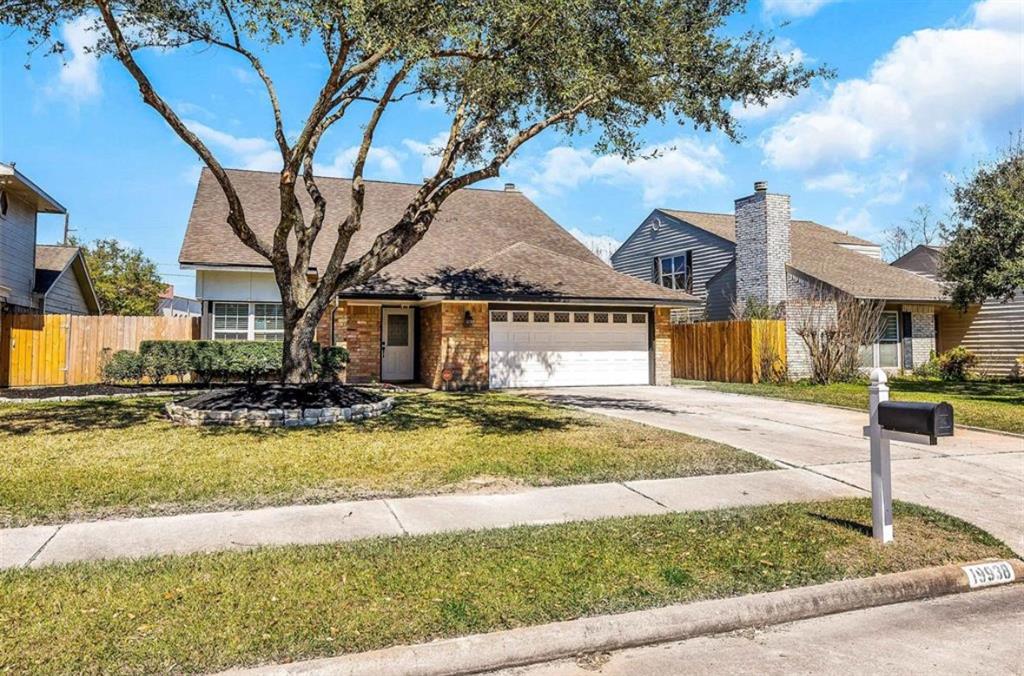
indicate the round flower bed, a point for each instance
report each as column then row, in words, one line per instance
column 280, row 406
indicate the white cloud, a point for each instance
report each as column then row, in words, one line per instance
column 602, row 245
column 794, row 8
column 78, row 77
column 249, row 152
column 1000, row 14
column 929, row 94
column 855, row 221
column 844, row 182
column 429, row 152
column 679, row 165
column 382, row 163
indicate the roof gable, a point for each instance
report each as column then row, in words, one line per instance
column 54, row 261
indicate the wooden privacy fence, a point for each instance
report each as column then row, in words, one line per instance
column 736, row 351
column 70, row 349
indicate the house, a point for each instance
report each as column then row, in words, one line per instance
column 759, row 252
column 496, row 294
column 173, row 305
column 37, row 278
column 993, row 330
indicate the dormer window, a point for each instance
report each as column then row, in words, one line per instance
column 674, row 272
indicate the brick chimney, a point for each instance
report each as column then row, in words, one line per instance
column 762, row 246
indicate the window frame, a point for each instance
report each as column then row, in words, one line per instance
column 687, row 272
column 875, row 347
column 252, row 334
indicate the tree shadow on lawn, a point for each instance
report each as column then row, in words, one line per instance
column 81, row 416
column 594, row 401
column 1001, row 392
column 855, row 526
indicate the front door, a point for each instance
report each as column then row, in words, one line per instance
column 397, row 339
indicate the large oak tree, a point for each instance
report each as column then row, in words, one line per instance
column 505, row 71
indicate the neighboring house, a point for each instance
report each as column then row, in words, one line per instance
column 994, row 330
column 496, row 294
column 37, row 278
column 62, row 284
column 759, row 252
column 171, row 305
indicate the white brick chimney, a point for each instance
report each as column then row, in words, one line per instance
column 762, row 246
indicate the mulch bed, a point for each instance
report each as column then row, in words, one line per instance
column 267, row 397
column 88, row 390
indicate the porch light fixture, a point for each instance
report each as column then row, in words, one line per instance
column 467, row 319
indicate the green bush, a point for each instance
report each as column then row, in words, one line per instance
column 251, row 361
column 124, row 366
column 955, row 363
column 929, row 369
column 331, row 361
column 162, row 358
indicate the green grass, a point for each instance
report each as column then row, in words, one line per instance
column 100, row 458
column 990, row 404
column 212, row 611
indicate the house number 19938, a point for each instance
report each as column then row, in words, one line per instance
column 988, row 574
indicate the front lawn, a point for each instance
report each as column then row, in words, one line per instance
column 96, row 458
column 995, row 405
column 212, row 611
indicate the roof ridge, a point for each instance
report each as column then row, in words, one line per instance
column 371, row 180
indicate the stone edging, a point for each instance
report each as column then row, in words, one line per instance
column 84, row 397
column 277, row 417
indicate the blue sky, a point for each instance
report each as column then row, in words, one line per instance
column 925, row 89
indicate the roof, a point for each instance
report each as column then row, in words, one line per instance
column 817, row 251
column 13, row 180
column 53, row 260
column 483, row 243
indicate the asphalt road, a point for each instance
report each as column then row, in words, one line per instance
column 980, row 632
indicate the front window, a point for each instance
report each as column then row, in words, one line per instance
column 231, row 321
column 674, row 271
column 248, row 321
column 885, row 352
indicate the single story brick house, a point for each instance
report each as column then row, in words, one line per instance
column 760, row 252
column 495, row 295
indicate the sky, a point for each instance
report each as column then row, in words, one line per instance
column 924, row 91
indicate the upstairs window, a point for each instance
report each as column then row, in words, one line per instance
column 231, row 321
column 673, row 272
column 269, row 321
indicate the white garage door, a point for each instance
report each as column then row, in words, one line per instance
column 534, row 348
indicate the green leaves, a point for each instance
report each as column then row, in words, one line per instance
column 985, row 255
column 126, row 281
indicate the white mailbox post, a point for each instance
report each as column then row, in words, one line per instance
column 881, row 462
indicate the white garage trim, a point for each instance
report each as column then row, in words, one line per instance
column 558, row 348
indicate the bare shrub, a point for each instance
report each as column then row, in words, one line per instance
column 834, row 326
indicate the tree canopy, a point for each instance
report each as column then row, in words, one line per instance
column 984, row 258
column 504, row 70
column 126, row 282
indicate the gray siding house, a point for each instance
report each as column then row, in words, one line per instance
column 759, row 252
column 994, row 330
column 33, row 277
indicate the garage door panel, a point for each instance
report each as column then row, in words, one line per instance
column 581, row 351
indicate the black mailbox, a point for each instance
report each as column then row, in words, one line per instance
column 916, row 417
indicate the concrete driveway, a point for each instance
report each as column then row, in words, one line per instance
column 977, row 476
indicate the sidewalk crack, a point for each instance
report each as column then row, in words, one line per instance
column 43, row 546
column 395, row 516
column 644, row 495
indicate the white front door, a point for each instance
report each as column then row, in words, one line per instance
column 553, row 348
column 397, row 334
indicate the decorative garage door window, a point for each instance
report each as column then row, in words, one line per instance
column 499, row 316
column 541, row 317
column 619, row 317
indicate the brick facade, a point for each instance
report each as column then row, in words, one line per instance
column 662, row 346
column 762, row 247
column 464, row 349
column 356, row 327
column 922, row 335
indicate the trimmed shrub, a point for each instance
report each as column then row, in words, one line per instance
column 955, row 363
column 162, row 358
column 331, row 361
column 124, row 366
column 251, row 361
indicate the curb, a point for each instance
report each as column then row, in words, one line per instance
column 560, row 640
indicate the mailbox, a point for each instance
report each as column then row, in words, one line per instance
column 916, row 417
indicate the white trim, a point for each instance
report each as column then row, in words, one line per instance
column 250, row 328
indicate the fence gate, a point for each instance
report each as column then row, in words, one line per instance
column 733, row 351
column 34, row 349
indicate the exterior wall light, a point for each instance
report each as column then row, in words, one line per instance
column 467, row 319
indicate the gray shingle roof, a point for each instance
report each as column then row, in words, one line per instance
column 815, row 251
column 51, row 260
column 483, row 243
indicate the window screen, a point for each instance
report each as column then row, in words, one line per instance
column 230, row 321
column 268, row 321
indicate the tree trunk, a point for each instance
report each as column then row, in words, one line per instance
column 297, row 366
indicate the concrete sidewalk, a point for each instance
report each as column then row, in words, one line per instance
column 977, row 476
column 337, row 522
